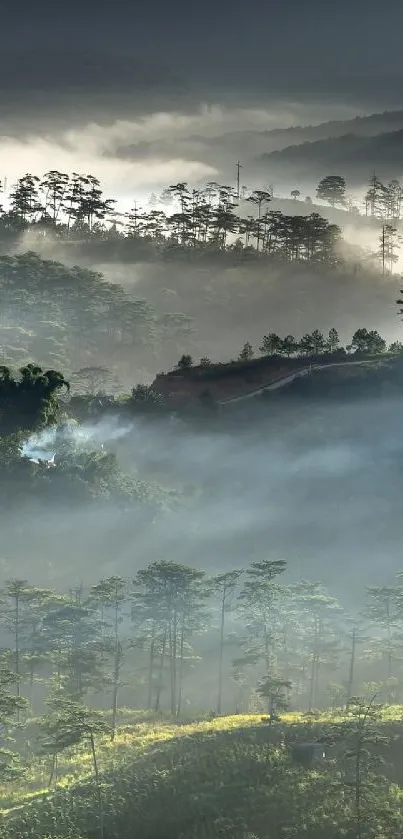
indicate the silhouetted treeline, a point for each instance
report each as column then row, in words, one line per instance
column 75, row 208
column 312, row 345
column 383, row 201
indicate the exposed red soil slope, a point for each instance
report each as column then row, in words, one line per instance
column 224, row 381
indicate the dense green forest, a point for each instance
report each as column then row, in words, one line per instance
column 290, row 643
column 69, row 314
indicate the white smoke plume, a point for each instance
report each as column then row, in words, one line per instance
column 44, row 445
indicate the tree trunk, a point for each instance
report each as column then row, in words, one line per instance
column 116, row 672
column 358, row 790
column 114, row 708
column 390, row 665
column 179, row 703
column 17, row 650
column 116, row 668
column 271, row 710
column 266, row 648
column 350, row 683
column 161, row 672
column 173, row 650
column 150, row 670
column 220, row 668
column 53, row 771
column 96, row 773
column 316, row 689
column 313, row 667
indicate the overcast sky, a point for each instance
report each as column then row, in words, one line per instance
column 84, row 80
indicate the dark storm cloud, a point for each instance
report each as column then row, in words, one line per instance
column 92, row 83
column 49, row 69
column 215, row 50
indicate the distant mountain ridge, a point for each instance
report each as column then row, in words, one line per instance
column 276, row 139
column 352, row 155
column 361, row 126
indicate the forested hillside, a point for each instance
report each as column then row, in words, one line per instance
column 196, row 271
column 71, row 318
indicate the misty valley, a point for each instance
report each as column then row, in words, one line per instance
column 201, row 473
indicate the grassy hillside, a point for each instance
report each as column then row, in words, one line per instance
column 349, row 381
column 232, row 776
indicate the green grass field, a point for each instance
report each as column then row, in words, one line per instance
column 137, row 733
column 190, row 781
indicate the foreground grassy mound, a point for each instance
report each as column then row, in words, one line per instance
column 230, row 777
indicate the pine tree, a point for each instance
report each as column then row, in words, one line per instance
column 276, row 690
column 54, row 184
column 333, row 341
column 185, row 362
column 224, row 585
column 320, row 641
column 365, row 341
column 289, row 345
column 388, row 247
column 272, row 344
column 260, row 197
column 246, row 353
column 361, row 739
column 24, row 200
column 383, row 609
column 111, row 595
column 174, row 597
column 69, row 723
column 332, row 188
column 376, row 199
column 259, row 604
column 11, row 704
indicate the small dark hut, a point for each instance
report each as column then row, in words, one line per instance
column 308, row 754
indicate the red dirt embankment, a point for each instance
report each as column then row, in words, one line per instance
column 224, row 381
